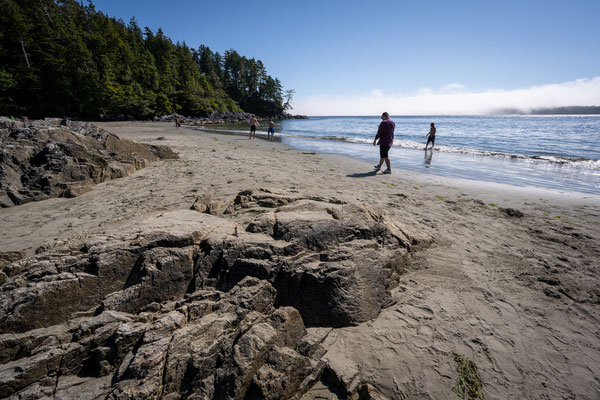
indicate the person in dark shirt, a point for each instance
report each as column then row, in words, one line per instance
column 431, row 137
column 385, row 134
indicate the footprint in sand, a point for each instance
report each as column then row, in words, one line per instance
column 502, row 355
column 397, row 337
column 424, row 336
column 425, row 330
column 417, row 312
column 406, row 320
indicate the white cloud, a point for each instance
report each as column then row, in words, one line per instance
column 454, row 99
column 453, row 88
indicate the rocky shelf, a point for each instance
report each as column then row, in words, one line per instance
column 208, row 303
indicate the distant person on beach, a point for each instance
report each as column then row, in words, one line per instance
column 385, row 134
column 271, row 132
column 431, row 137
column 253, row 124
column 177, row 122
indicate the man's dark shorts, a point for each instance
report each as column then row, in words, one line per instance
column 252, row 128
column 383, row 151
column 431, row 140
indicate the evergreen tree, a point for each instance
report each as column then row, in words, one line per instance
column 64, row 58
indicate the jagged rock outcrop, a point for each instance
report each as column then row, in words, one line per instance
column 183, row 304
column 45, row 159
column 217, row 117
column 207, row 345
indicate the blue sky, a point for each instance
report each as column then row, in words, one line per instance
column 342, row 56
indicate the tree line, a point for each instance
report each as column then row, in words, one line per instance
column 64, row 58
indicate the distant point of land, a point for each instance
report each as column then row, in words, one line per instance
column 569, row 110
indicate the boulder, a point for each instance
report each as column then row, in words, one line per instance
column 206, row 204
column 48, row 159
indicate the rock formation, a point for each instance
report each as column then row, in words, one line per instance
column 50, row 158
column 217, row 117
column 183, row 304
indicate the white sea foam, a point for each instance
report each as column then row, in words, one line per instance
column 409, row 144
column 580, row 162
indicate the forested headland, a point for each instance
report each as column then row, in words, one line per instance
column 63, row 58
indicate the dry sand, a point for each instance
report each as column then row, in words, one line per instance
column 517, row 295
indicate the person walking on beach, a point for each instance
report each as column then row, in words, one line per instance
column 253, row 124
column 431, row 137
column 385, row 134
column 271, row 132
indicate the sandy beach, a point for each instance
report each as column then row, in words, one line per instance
column 510, row 281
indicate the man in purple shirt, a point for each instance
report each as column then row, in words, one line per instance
column 385, row 134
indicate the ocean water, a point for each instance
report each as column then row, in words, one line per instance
column 551, row 151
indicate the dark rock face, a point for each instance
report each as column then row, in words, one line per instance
column 511, row 212
column 215, row 117
column 45, row 159
column 207, row 345
column 185, row 304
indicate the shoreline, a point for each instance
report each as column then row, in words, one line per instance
column 516, row 294
column 493, row 189
column 545, row 172
column 501, row 194
column 474, row 184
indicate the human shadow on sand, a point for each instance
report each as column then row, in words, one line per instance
column 262, row 137
column 362, row 174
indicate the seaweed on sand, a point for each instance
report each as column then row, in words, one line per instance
column 469, row 385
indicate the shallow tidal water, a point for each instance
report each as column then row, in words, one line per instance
column 553, row 151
